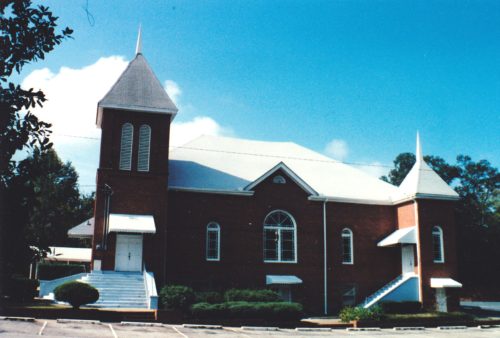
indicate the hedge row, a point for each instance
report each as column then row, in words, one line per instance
column 50, row 271
column 21, row 288
column 254, row 310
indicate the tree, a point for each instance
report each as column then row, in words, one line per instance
column 27, row 33
column 405, row 161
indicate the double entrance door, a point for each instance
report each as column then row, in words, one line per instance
column 128, row 254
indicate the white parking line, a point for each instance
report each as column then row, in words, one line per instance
column 112, row 331
column 43, row 327
column 179, row 332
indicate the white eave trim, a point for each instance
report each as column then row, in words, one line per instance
column 444, row 283
column 425, row 196
column 348, row 200
column 213, row 191
column 100, row 108
column 289, row 172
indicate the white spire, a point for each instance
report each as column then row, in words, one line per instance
column 138, row 47
column 418, row 155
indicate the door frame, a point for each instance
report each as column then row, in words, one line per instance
column 121, row 236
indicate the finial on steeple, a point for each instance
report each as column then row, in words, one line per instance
column 138, row 47
column 418, row 155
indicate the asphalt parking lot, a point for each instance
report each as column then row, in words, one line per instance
column 70, row 328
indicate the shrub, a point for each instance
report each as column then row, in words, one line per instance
column 22, row 288
column 49, row 271
column 212, row 297
column 349, row 313
column 254, row 310
column 76, row 293
column 177, row 297
column 248, row 295
column 401, row 307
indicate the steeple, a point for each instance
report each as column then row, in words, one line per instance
column 138, row 46
column 418, row 154
column 423, row 182
column 137, row 89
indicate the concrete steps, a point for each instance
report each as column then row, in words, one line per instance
column 118, row 289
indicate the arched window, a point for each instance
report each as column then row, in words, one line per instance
column 213, row 241
column 126, row 147
column 347, row 247
column 144, row 145
column 437, row 244
column 280, row 237
column 278, row 179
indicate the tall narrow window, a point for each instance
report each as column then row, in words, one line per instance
column 437, row 244
column 213, row 242
column 126, row 147
column 144, row 145
column 280, row 237
column 347, row 247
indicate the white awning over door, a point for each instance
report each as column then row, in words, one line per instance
column 400, row 236
column 140, row 224
column 444, row 283
column 282, row 279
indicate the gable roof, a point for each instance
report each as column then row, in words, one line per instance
column 82, row 230
column 213, row 163
column 424, row 182
column 137, row 89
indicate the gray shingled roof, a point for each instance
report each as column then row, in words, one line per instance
column 138, row 89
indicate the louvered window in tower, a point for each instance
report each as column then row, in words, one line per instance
column 126, row 147
column 144, row 145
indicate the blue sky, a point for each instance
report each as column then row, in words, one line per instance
column 367, row 74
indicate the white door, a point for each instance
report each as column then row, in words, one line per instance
column 128, row 254
column 441, row 300
column 407, row 259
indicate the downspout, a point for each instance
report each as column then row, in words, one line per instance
column 419, row 258
column 325, row 268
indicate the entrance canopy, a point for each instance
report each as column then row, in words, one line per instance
column 282, row 279
column 444, row 283
column 141, row 224
column 401, row 236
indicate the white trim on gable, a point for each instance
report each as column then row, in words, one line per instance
column 212, row 191
column 289, row 172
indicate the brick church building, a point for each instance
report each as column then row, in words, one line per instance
column 223, row 212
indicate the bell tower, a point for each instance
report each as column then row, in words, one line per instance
column 132, row 179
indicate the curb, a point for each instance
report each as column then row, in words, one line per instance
column 409, row 328
column 141, row 324
column 79, row 321
column 19, row 319
column 488, row 326
column 355, row 329
column 451, row 327
column 202, row 326
column 260, row 328
column 313, row 329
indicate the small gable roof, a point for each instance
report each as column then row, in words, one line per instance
column 424, row 182
column 137, row 89
column 214, row 163
column 82, row 230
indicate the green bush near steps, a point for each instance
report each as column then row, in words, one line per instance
column 177, row 297
column 76, row 294
column 244, row 310
column 349, row 313
column 212, row 297
column 50, row 271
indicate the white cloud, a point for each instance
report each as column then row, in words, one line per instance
column 337, row 149
column 72, row 96
column 173, row 91
column 183, row 132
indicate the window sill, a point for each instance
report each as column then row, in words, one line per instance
column 286, row 262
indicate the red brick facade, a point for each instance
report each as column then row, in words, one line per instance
column 176, row 253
